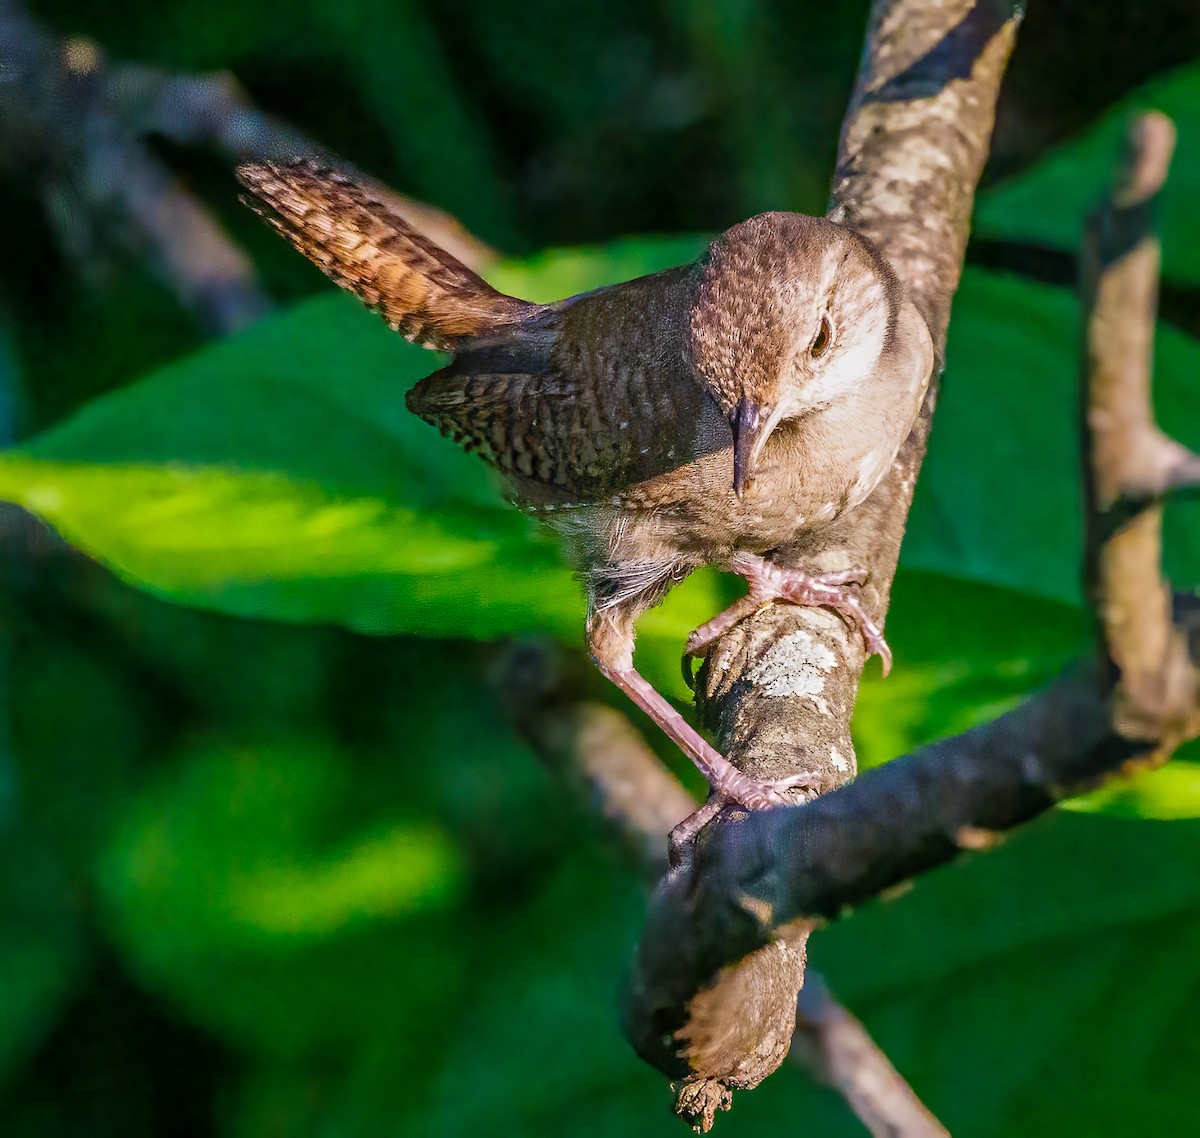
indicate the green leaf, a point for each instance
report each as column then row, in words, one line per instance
column 256, row 543
column 965, row 653
column 555, row 273
column 1043, row 988
column 1169, row 793
column 278, row 474
column 999, row 499
column 1046, row 204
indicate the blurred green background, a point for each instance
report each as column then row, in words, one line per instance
column 272, row 863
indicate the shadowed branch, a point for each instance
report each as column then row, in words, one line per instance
column 597, row 753
column 77, row 125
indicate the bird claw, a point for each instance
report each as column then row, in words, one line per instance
column 687, row 668
column 702, row 637
column 762, row 795
column 842, row 577
column 734, row 787
column 769, row 582
column 850, row 607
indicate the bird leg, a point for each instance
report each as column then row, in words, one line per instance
column 612, row 651
column 769, row 582
column 723, row 776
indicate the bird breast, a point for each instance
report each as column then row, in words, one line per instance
column 695, row 509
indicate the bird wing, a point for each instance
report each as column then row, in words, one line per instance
column 517, row 421
column 364, row 245
column 587, row 400
column 574, row 402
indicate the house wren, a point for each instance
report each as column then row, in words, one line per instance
column 704, row 415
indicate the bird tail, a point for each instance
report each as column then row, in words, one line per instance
column 364, row 245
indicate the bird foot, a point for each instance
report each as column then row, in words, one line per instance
column 769, row 582
column 754, row 794
column 745, row 791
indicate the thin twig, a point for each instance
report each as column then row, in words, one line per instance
column 77, row 126
column 214, row 111
column 1130, row 462
column 836, row 1046
column 106, row 192
column 594, row 750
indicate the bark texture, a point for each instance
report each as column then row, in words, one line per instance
column 711, row 999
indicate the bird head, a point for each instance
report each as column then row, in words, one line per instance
column 792, row 315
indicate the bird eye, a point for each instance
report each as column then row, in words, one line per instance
column 824, row 335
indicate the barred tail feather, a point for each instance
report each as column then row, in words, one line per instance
column 363, row 245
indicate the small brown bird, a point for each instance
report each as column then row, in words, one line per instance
column 705, row 415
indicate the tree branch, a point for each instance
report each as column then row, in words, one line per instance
column 75, row 126
column 780, row 688
column 830, row 1042
column 913, row 144
column 214, row 111
column 1130, row 462
column 755, row 882
column 593, row 749
column 606, row 763
column 103, row 189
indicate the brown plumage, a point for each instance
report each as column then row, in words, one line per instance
column 361, row 243
column 703, row 415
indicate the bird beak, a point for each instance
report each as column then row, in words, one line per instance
column 750, row 431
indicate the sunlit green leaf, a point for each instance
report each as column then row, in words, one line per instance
column 553, row 274
column 279, row 475
column 255, row 543
column 1169, row 793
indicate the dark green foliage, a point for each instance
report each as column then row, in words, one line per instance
column 255, row 790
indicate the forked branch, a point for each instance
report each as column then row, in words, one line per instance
column 914, row 141
column 754, row 883
column 598, row 754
